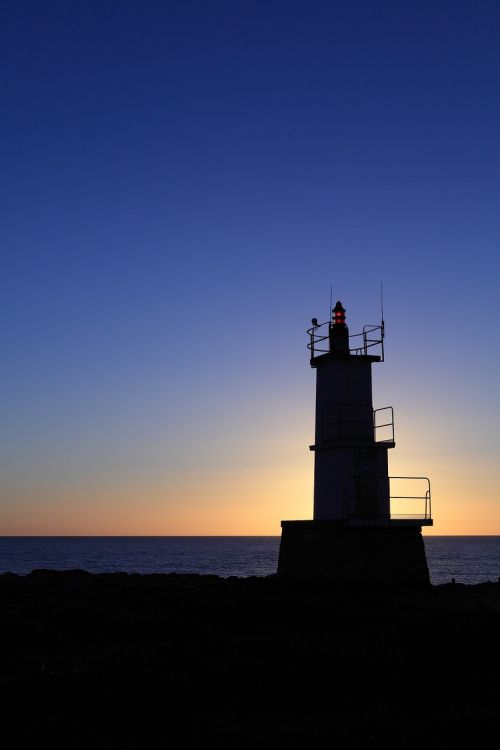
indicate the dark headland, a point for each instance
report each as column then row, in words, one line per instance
column 180, row 660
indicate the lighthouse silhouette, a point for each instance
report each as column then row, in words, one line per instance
column 367, row 526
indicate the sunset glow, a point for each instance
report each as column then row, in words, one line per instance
column 182, row 185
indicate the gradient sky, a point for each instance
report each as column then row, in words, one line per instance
column 181, row 182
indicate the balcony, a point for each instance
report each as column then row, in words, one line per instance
column 370, row 342
column 356, row 425
column 408, row 504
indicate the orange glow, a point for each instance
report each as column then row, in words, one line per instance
column 240, row 502
column 268, row 478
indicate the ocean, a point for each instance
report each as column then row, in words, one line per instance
column 467, row 559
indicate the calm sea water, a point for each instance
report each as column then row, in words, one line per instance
column 468, row 559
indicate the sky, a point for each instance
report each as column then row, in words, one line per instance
column 181, row 183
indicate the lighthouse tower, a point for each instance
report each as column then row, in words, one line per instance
column 360, row 532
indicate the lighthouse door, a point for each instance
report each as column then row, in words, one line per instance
column 366, row 484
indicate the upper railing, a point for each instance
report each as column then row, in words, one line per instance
column 371, row 338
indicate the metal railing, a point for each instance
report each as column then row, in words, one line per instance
column 359, row 343
column 426, row 498
column 378, row 500
column 351, row 422
column 389, row 425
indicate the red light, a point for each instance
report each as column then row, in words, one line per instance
column 338, row 314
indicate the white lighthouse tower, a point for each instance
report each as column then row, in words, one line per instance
column 359, row 533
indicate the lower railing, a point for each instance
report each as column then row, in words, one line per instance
column 398, row 505
column 423, row 508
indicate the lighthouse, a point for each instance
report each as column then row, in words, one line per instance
column 367, row 525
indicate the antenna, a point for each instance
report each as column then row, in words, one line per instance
column 331, row 303
column 382, row 306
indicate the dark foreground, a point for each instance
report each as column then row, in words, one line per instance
column 176, row 660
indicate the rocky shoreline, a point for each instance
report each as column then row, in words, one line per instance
column 117, row 660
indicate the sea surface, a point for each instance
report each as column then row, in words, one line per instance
column 467, row 559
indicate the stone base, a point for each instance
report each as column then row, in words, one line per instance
column 329, row 552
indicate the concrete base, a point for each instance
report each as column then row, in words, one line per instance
column 328, row 551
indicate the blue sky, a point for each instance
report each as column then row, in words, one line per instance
column 181, row 183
